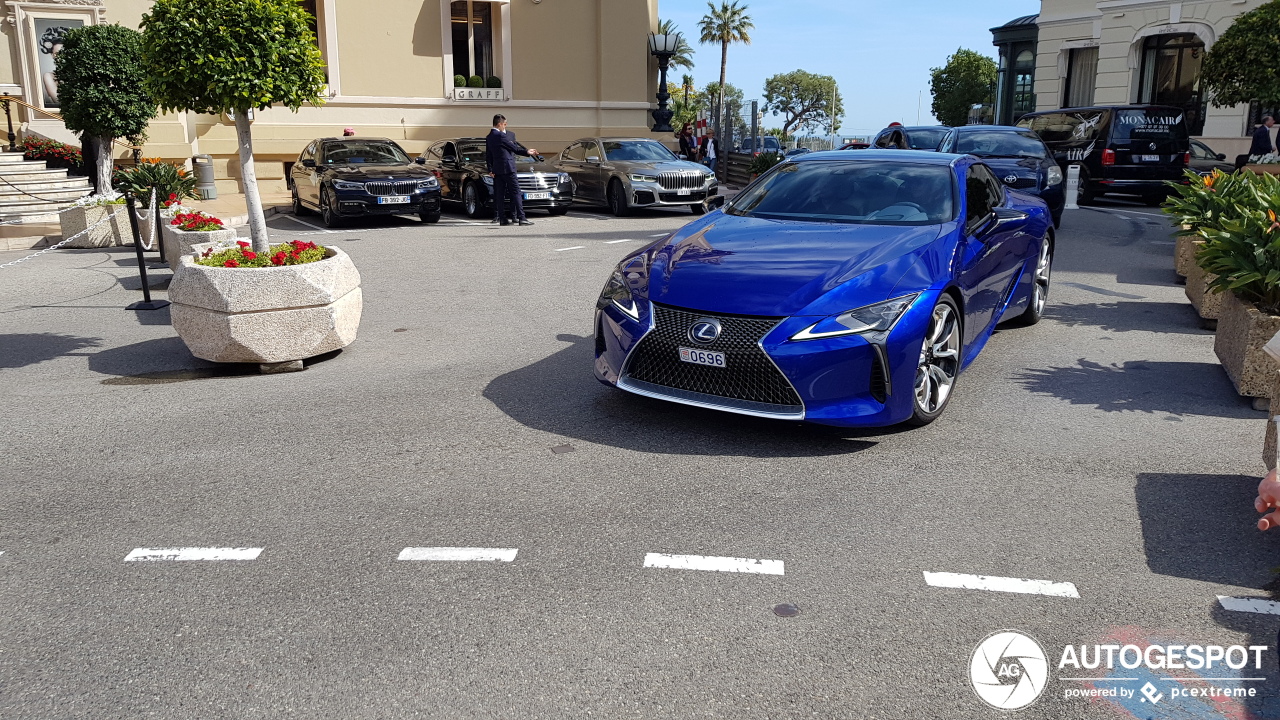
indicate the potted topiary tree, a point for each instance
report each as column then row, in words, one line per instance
column 237, row 57
column 101, row 91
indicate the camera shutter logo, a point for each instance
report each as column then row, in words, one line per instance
column 1008, row 670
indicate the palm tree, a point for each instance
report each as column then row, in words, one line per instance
column 684, row 54
column 726, row 24
column 687, row 82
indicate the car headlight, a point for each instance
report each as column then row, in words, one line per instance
column 870, row 318
column 428, row 184
column 346, row 185
column 617, row 292
column 1055, row 176
column 636, row 177
column 708, row 179
column 563, row 178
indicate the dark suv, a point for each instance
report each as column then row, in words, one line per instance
column 351, row 177
column 1126, row 149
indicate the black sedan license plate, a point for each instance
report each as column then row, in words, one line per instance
column 702, row 357
column 393, row 200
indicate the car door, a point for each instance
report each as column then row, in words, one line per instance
column 308, row 181
column 451, row 171
column 988, row 257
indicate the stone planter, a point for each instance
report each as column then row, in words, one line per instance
column 115, row 231
column 1207, row 304
column 1242, row 333
column 276, row 317
column 177, row 243
column 1272, row 349
column 1269, row 169
column 1184, row 253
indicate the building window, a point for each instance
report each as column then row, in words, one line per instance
column 1024, row 79
column 473, row 35
column 1171, row 75
column 1082, row 77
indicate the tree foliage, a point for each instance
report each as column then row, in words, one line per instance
column 100, row 82
column 684, row 52
column 803, row 99
column 727, row 24
column 1242, row 66
column 734, row 101
column 214, row 56
column 966, row 80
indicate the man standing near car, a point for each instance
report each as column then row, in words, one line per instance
column 500, row 154
column 1262, row 144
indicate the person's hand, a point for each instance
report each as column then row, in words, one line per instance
column 532, row 152
column 491, row 175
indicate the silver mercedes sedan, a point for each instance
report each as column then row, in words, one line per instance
column 626, row 173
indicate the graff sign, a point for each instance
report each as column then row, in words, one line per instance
column 469, row 93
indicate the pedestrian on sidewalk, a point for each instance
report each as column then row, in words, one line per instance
column 1262, row 144
column 501, row 149
column 688, row 145
column 710, row 149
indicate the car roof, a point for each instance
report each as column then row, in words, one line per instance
column 614, row 139
column 356, row 138
column 916, row 157
column 995, row 128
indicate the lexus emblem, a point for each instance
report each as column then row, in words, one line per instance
column 704, row 331
column 1010, row 179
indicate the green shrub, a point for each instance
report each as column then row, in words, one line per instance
column 761, row 163
column 170, row 181
column 1242, row 246
column 476, row 81
column 494, row 82
column 459, row 80
column 1205, row 201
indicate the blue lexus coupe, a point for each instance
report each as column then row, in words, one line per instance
column 839, row 288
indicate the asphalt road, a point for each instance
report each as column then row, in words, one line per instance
column 1103, row 447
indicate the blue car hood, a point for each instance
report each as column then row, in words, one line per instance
column 754, row 266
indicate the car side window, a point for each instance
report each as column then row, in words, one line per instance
column 433, row 153
column 882, row 140
column 995, row 188
column 309, row 153
column 948, row 142
column 447, row 150
column 572, row 153
column 978, row 197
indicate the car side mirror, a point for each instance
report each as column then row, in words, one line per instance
column 451, row 159
column 1222, row 156
column 1000, row 219
column 593, row 158
column 420, row 160
column 308, row 163
column 715, row 201
column 683, row 157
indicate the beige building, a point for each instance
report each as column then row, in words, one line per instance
column 567, row 69
column 1115, row 52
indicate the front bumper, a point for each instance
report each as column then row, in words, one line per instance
column 1134, row 187
column 850, row 380
column 652, row 194
column 352, row 203
column 561, row 196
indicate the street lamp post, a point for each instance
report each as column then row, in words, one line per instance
column 663, row 47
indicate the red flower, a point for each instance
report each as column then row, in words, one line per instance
column 249, row 255
column 278, row 258
column 242, row 243
column 231, row 263
column 207, row 252
column 173, row 196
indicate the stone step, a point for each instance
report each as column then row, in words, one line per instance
column 10, row 157
column 8, row 194
column 10, row 183
column 40, row 174
column 9, row 209
column 33, row 218
column 28, row 166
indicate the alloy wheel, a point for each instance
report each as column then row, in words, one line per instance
column 939, row 360
column 1044, row 267
column 326, row 209
column 470, row 202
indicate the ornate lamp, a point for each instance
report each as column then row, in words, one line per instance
column 663, row 47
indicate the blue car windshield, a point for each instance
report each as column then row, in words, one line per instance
column 998, row 143
column 858, row 192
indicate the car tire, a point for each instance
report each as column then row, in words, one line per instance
column 1041, row 277
column 698, row 208
column 298, row 207
column 939, row 363
column 1087, row 194
column 617, row 197
column 429, row 217
column 559, row 210
column 328, row 213
column 471, row 203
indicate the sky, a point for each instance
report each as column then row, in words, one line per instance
column 879, row 51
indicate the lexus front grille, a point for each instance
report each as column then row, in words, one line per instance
column 748, row 375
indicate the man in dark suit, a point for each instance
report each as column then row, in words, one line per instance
column 501, row 149
column 1262, row 138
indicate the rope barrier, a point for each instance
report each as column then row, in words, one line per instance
column 55, row 247
column 150, row 218
column 24, row 192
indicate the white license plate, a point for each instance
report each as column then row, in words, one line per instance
column 393, row 199
column 682, row 191
column 702, row 357
column 537, row 196
column 1148, row 158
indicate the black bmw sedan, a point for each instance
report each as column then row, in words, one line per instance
column 464, row 178
column 353, row 177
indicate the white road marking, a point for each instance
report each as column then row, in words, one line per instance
column 458, row 554
column 575, row 247
column 313, row 227
column 660, row 235
column 615, row 242
column 1250, row 605
column 192, row 553
column 1001, row 584
column 715, row 564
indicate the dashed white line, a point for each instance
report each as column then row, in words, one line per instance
column 575, row 247
column 191, row 554
column 458, row 554
column 714, row 564
column 313, row 227
column 615, row 242
column 1000, row 584
column 1249, row 605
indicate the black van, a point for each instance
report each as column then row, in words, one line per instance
column 1127, row 149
